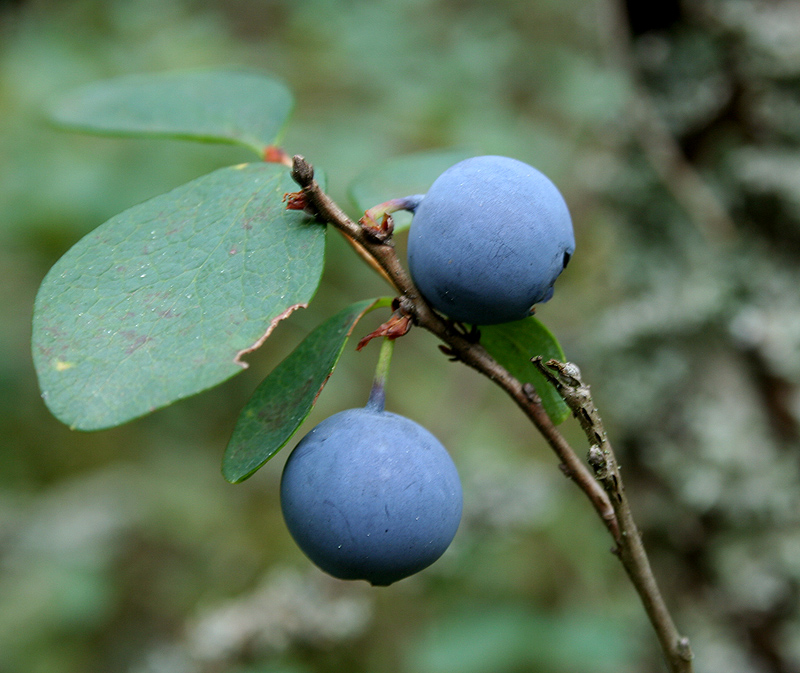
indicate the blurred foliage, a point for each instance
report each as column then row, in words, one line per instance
column 125, row 550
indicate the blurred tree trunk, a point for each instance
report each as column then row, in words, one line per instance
column 701, row 363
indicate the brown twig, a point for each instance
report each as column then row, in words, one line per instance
column 567, row 380
column 616, row 518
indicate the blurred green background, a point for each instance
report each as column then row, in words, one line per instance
column 671, row 128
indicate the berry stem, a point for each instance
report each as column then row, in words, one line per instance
column 377, row 396
column 377, row 221
column 408, row 203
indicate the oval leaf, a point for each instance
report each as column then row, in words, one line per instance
column 513, row 344
column 403, row 176
column 161, row 301
column 228, row 106
column 285, row 398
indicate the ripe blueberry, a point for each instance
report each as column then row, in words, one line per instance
column 371, row 495
column 488, row 240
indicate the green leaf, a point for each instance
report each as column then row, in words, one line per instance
column 513, row 344
column 403, row 176
column 239, row 107
column 285, row 398
column 163, row 300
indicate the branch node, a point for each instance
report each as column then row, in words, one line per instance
column 378, row 231
column 530, row 393
column 449, row 352
column 302, row 171
column 599, row 462
column 684, row 649
column 398, row 324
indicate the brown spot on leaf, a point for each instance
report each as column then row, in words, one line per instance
column 136, row 340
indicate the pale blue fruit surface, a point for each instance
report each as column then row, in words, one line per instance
column 488, row 240
column 371, row 495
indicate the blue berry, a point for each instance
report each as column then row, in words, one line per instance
column 371, row 495
column 488, row 240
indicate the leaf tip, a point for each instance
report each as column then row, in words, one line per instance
column 231, row 478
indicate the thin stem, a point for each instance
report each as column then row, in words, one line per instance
column 610, row 503
column 566, row 377
column 409, row 203
column 377, row 396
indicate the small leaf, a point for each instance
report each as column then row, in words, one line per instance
column 285, row 398
column 239, row 107
column 403, row 176
column 163, row 300
column 513, row 344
